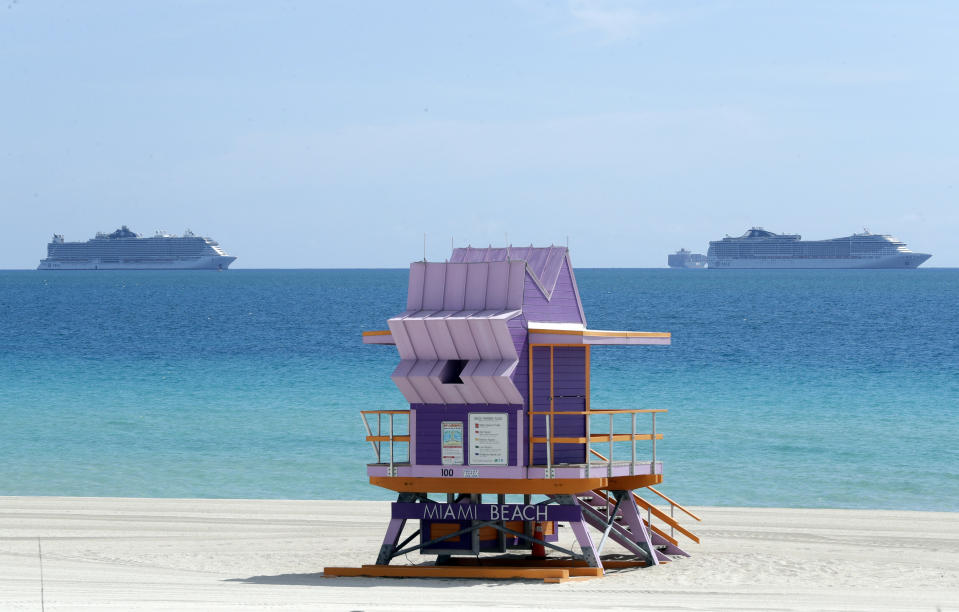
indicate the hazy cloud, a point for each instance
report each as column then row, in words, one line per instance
column 616, row 20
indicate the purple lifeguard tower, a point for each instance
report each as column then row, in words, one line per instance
column 495, row 364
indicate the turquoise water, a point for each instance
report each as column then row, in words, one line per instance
column 833, row 388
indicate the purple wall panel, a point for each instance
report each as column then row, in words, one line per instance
column 518, row 331
column 562, row 307
column 540, row 400
column 520, row 335
column 428, row 428
column 569, row 379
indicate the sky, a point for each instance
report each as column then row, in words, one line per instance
column 337, row 134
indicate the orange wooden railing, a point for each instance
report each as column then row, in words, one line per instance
column 609, row 437
column 376, row 440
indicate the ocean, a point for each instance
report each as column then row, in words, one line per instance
column 800, row 388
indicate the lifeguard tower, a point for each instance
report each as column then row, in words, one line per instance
column 500, row 445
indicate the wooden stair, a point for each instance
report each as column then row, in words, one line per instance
column 595, row 507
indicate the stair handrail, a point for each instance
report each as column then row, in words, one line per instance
column 673, row 503
column 654, row 511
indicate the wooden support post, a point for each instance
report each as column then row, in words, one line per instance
column 590, row 555
column 552, row 420
column 529, row 405
column 393, row 532
column 637, row 527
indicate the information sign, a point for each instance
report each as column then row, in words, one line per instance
column 489, row 438
column 452, row 432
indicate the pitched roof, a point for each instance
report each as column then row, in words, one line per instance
column 493, row 285
column 543, row 263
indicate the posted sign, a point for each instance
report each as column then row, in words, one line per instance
column 486, row 512
column 489, row 438
column 452, row 432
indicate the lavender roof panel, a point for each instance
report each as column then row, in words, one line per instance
column 504, row 341
column 497, row 285
column 435, row 287
column 537, row 263
column 455, row 295
column 417, row 377
column 462, row 337
column 482, row 377
column 517, row 276
column 483, row 336
column 471, row 393
column 496, row 254
column 521, row 253
column 541, row 261
column 476, row 287
column 414, row 296
column 403, row 344
column 442, row 339
column 551, row 271
column 420, row 338
column 400, row 377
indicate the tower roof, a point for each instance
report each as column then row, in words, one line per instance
column 543, row 263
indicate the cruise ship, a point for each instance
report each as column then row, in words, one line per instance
column 126, row 250
column 686, row 259
column 760, row 248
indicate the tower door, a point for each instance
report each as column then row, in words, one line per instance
column 560, row 387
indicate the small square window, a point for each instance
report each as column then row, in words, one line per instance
column 450, row 374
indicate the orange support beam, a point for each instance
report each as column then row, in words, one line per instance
column 459, row 571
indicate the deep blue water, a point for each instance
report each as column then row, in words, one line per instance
column 833, row 388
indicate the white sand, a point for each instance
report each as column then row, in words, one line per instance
column 161, row 554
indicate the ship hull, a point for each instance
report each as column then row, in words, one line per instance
column 204, row 262
column 898, row 261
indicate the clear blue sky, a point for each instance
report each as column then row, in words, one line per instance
column 313, row 134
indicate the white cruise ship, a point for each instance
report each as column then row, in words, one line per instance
column 126, row 250
column 759, row 248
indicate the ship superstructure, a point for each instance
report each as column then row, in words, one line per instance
column 127, row 250
column 760, row 248
column 684, row 258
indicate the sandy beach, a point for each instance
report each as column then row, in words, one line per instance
column 187, row 554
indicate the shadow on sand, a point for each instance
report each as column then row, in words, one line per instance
column 320, row 579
